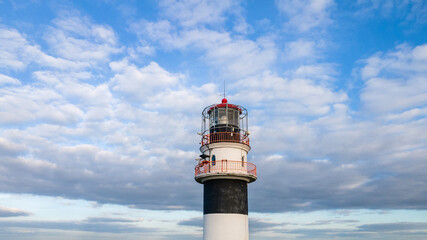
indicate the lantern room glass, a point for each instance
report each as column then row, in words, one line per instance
column 224, row 118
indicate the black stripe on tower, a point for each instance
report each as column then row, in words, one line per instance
column 225, row 196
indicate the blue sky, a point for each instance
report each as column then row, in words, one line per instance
column 100, row 105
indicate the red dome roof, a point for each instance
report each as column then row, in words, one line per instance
column 224, row 103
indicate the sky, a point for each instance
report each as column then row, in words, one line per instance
column 101, row 101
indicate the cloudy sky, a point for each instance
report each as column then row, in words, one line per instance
column 100, row 103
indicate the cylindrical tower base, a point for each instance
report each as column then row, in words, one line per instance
column 225, row 209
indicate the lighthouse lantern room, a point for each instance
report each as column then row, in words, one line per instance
column 224, row 171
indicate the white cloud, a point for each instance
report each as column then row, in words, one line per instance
column 72, row 86
column 183, row 99
column 193, row 12
column 8, row 148
column 300, row 96
column 10, row 43
column 27, row 104
column 76, row 38
column 410, row 11
column 323, row 72
column 241, row 26
column 12, row 212
column 4, row 79
column 142, row 83
column 300, row 49
column 384, row 7
column 236, row 57
column 306, row 15
column 16, row 53
column 36, row 164
column 160, row 30
column 407, row 115
column 395, row 81
column 145, row 50
column 367, row 156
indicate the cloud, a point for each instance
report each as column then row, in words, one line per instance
column 76, row 38
column 346, row 163
column 27, row 104
column 75, row 87
column 327, row 222
column 111, row 220
column 195, row 222
column 17, row 53
column 384, row 7
column 407, row 115
column 241, row 26
column 75, row 41
column 349, row 234
column 257, row 225
column 394, row 227
column 194, row 12
column 197, row 13
column 45, row 122
column 413, row 11
column 395, row 81
column 236, row 57
column 133, row 143
column 8, row 80
column 322, row 72
column 141, row 83
column 300, row 49
column 303, row 50
column 306, row 15
column 284, row 96
column 85, row 226
column 85, row 171
column 394, row 231
column 8, row 148
column 183, row 98
column 12, row 212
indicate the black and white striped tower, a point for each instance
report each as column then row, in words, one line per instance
column 224, row 171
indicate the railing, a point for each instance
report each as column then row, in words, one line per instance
column 225, row 166
column 225, row 137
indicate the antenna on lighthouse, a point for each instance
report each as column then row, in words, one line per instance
column 224, row 88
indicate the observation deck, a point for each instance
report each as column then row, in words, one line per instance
column 207, row 170
column 225, row 137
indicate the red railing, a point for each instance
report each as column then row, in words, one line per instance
column 225, row 166
column 225, row 137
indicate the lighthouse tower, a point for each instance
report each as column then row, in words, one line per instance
column 224, row 171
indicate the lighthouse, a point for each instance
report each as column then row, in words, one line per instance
column 225, row 172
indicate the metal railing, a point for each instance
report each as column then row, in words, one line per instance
column 225, row 166
column 225, row 137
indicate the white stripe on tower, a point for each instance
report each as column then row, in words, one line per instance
column 225, row 226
